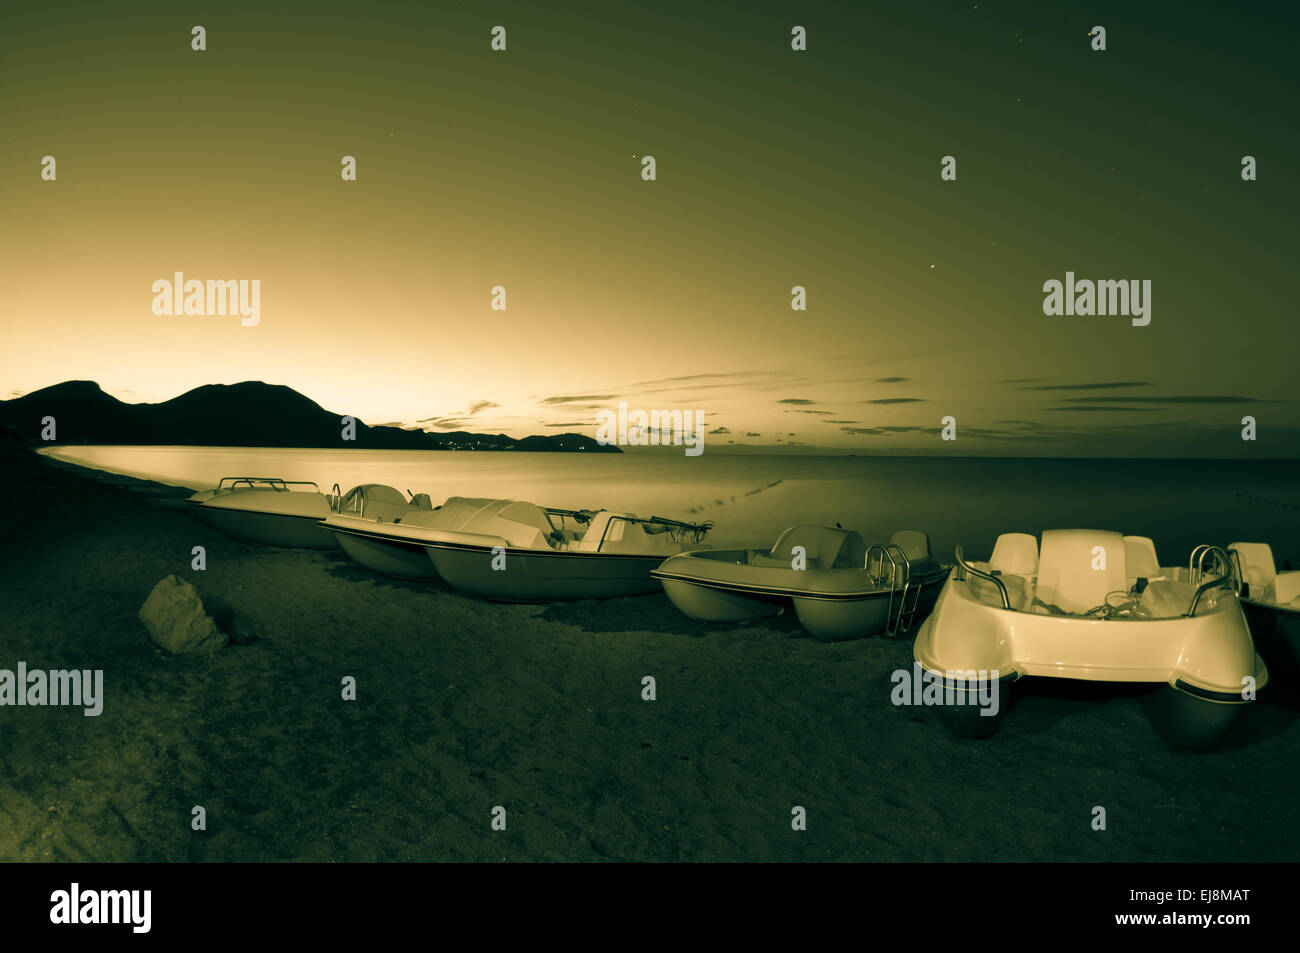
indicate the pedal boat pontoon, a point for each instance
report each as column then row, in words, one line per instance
column 1095, row 606
column 514, row 551
column 840, row 587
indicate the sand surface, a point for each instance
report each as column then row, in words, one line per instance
column 465, row 705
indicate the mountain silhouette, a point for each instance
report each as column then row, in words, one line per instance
column 249, row 414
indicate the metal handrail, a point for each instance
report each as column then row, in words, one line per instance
column 887, row 551
column 967, row 567
column 275, row 483
column 698, row 530
column 1221, row 555
column 1193, row 561
column 1229, row 578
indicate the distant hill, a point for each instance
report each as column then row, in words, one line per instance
column 250, row 414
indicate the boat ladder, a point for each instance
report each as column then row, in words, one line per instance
column 898, row 618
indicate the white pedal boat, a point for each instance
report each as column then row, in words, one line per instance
column 1095, row 606
column 514, row 551
column 840, row 587
column 373, row 526
column 268, row 510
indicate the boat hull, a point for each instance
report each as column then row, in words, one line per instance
column 270, row 529
column 1276, row 630
column 832, row 605
column 385, row 555
column 534, row 576
column 1208, row 659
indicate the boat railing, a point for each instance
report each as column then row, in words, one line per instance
column 894, row 621
column 1223, row 563
column 678, row 530
column 964, row 567
column 1196, row 562
column 273, row 483
column 356, row 500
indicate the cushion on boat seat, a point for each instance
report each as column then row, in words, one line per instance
column 422, row 501
column 1140, row 557
column 1078, row 568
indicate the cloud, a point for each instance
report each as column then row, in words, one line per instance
column 570, row 423
column 891, row 380
column 1145, row 410
column 1100, row 385
column 481, row 405
column 895, row 400
column 751, row 433
column 444, row 422
column 823, row 412
column 576, row 400
column 795, row 400
column 882, row 431
column 841, row 421
column 1197, row 399
column 719, row 430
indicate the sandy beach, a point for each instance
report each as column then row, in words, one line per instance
column 464, row 705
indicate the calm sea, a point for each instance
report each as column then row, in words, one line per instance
column 751, row 498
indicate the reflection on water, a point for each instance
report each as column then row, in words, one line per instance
column 751, row 498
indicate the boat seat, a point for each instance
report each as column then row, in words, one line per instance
column 1257, row 567
column 422, row 501
column 1015, row 554
column 914, row 543
column 604, row 527
column 1078, row 568
column 1140, row 557
column 1260, row 572
column 826, row 548
column 1015, row 560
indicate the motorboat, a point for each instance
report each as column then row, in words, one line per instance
column 840, row 587
column 1271, row 598
column 516, row 551
column 274, row 511
column 1092, row 605
column 372, row 524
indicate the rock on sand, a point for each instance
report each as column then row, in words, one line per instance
column 174, row 616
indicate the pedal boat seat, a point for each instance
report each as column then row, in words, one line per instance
column 1078, row 569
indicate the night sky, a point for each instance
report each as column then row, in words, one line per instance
column 775, row 168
